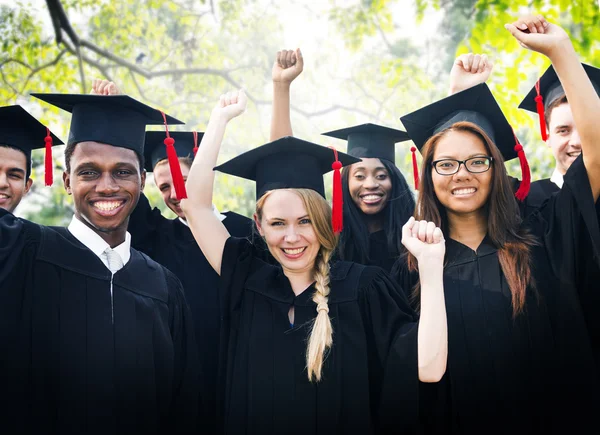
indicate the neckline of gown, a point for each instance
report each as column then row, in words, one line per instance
column 459, row 253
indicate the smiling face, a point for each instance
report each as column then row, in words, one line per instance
column 563, row 137
column 164, row 182
column 463, row 192
column 370, row 185
column 14, row 183
column 105, row 182
column 288, row 231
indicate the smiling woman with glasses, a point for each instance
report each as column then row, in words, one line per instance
column 521, row 296
column 475, row 165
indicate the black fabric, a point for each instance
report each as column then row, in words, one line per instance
column 535, row 373
column 71, row 360
column 379, row 253
column 116, row 120
column 371, row 140
column 285, row 163
column 20, row 130
column 171, row 243
column 370, row 376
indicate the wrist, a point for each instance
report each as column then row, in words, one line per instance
column 281, row 85
column 560, row 49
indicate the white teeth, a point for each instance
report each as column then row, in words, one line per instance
column 371, row 197
column 3, row 196
column 107, row 205
column 293, row 251
column 464, row 191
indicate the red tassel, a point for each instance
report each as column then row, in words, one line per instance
column 539, row 104
column 176, row 175
column 415, row 167
column 48, row 164
column 195, row 133
column 523, row 190
column 337, row 207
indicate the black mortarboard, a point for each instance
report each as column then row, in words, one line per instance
column 186, row 145
column 478, row 106
column 117, row 120
column 548, row 89
column 20, row 130
column 291, row 163
column 371, row 140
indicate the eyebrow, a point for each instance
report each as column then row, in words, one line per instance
column 454, row 158
column 558, row 127
column 15, row 169
column 282, row 219
column 362, row 168
column 93, row 164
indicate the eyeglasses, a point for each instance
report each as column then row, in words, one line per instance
column 475, row 165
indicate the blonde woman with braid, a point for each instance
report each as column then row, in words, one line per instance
column 309, row 346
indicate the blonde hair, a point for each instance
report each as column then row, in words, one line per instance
column 321, row 334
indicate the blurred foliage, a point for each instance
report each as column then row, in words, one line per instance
column 368, row 61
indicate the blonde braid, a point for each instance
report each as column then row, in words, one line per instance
column 321, row 336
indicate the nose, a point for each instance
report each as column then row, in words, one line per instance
column 291, row 234
column 462, row 173
column 371, row 183
column 575, row 140
column 3, row 180
column 106, row 184
column 173, row 195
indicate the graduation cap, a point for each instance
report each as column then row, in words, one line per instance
column 548, row 89
column 20, row 130
column 116, row 120
column 186, row 145
column 373, row 141
column 478, row 106
column 291, row 163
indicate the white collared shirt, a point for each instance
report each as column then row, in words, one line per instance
column 215, row 211
column 96, row 244
column 557, row 178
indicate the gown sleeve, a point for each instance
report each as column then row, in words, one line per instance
column 569, row 221
column 144, row 225
column 392, row 331
column 15, row 242
column 187, row 370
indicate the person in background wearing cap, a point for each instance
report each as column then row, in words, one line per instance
column 309, row 347
column 171, row 243
column 95, row 337
column 20, row 133
column 520, row 359
column 377, row 199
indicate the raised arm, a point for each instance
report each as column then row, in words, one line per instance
column 469, row 70
column 288, row 65
column 426, row 242
column 537, row 34
column 209, row 232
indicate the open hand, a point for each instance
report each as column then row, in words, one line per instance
column 104, row 87
column 537, row 34
column 231, row 104
column 469, row 70
column 288, row 65
column 424, row 240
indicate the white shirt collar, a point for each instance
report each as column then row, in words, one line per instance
column 217, row 213
column 96, row 244
column 557, row 178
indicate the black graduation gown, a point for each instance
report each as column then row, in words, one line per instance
column 71, row 364
column 534, row 373
column 539, row 192
column 171, row 243
column 379, row 254
column 370, row 377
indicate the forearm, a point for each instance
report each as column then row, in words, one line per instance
column 433, row 329
column 281, row 124
column 585, row 106
column 200, row 181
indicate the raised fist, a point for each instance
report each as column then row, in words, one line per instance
column 288, row 65
column 104, row 87
column 469, row 70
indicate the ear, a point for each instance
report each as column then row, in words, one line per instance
column 28, row 184
column 143, row 177
column 67, row 182
column 258, row 225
